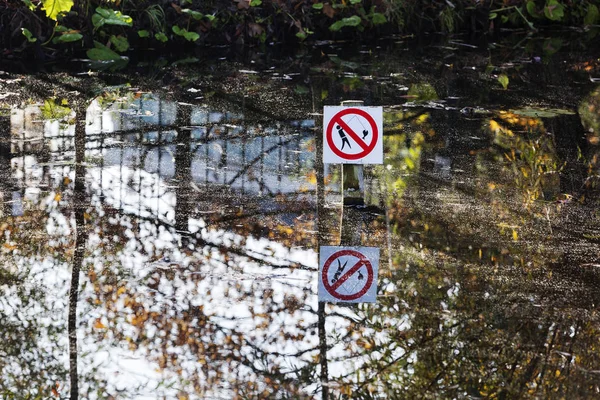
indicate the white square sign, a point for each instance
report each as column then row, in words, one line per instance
column 348, row 274
column 352, row 135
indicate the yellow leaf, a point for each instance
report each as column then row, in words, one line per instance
column 67, row 180
column 9, row 246
column 57, row 197
column 557, row 373
column 55, row 7
column 494, row 126
column 515, row 235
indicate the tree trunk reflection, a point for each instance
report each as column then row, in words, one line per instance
column 80, row 241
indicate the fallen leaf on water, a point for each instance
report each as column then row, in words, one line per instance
column 98, row 324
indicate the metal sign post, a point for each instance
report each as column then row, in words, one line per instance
column 352, row 136
column 353, row 179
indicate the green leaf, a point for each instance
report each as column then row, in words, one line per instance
column 68, row 37
column 503, row 79
column 53, row 111
column 301, row 89
column 317, row 6
column 97, row 20
column 102, row 53
column 209, row 17
column 493, row 15
column 336, row 26
column 354, row 20
column 422, row 92
column 532, row 10
column 29, row 4
column 55, row 7
column 350, row 21
column 554, row 10
column 355, row 1
column 592, row 15
column 120, row 42
column 194, row 14
column 378, row 19
column 27, row 33
column 61, row 28
column 255, row 3
column 177, row 30
column 191, row 36
column 552, row 45
column 301, row 35
column 161, row 37
column 106, row 16
column 143, row 33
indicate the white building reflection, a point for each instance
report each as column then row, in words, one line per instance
column 151, row 150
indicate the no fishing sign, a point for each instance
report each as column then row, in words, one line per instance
column 348, row 274
column 353, row 135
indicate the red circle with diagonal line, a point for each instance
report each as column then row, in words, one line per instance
column 366, row 148
column 362, row 261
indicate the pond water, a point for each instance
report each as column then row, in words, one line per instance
column 191, row 205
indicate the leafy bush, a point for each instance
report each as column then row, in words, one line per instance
column 109, row 29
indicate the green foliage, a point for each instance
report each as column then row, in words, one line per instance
column 592, row 15
column 29, row 5
column 532, row 10
column 161, row 37
column 194, row 14
column 104, row 16
column 102, row 53
column 503, row 80
column 53, row 111
column 552, row 45
column 515, row 14
column 378, row 18
column 422, row 92
column 554, row 10
column 120, row 43
column 27, row 33
column 264, row 21
column 190, row 36
column 354, row 20
column 55, row 7
column 68, row 37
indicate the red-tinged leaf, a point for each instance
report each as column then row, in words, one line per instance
column 328, row 10
column 242, row 4
column 255, row 29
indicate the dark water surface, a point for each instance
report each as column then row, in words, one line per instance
column 191, row 201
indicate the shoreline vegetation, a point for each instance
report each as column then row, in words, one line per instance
column 109, row 32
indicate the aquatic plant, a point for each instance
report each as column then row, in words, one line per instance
column 44, row 26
